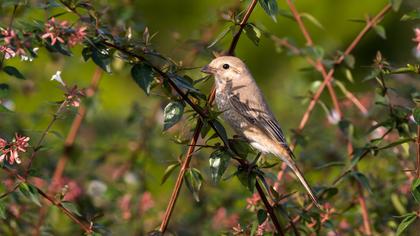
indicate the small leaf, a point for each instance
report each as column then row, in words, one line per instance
column 220, row 130
column 143, row 76
column 380, row 30
column 247, row 179
column 312, row 19
column 270, row 7
column 220, row 37
column 219, row 161
column 194, row 180
column 315, row 52
column 362, row 179
column 329, row 193
column 12, row 71
column 71, row 207
column 415, row 190
column 172, row 114
column 169, row 171
column 413, row 15
column 346, row 127
column 407, row 221
column 253, row 33
column 349, row 75
column 87, row 53
column 184, row 83
column 101, row 56
column 396, row 4
column 350, row 61
column 4, row 90
column 262, row 216
column 30, row 192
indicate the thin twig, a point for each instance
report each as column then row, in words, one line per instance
column 318, row 64
column 197, row 130
column 84, row 225
column 369, row 24
column 68, row 143
column 269, row 208
column 43, row 135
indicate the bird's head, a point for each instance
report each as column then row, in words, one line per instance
column 226, row 68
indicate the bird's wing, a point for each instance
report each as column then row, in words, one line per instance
column 261, row 117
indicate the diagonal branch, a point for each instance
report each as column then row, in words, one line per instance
column 199, row 126
column 327, row 79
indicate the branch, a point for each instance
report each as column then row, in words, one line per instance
column 369, row 24
column 318, row 64
column 269, row 208
column 68, row 143
column 199, row 126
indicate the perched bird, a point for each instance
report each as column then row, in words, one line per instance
column 246, row 111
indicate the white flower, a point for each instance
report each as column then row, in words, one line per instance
column 57, row 77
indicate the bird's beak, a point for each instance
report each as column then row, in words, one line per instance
column 208, row 69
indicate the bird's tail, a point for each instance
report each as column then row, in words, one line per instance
column 291, row 163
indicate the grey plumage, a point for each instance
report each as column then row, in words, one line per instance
column 246, row 111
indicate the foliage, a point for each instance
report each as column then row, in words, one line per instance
column 102, row 158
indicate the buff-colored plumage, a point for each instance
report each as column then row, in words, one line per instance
column 246, row 111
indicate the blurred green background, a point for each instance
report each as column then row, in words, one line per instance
column 121, row 117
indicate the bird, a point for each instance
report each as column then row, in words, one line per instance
column 245, row 109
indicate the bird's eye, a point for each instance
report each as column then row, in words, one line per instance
column 225, row 66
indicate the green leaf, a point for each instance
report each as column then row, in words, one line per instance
column 143, row 76
column 168, row 172
column 262, row 216
column 349, row 75
column 312, row 19
column 315, row 52
column 253, row 33
column 30, row 192
column 407, row 221
column 219, row 161
column 71, row 207
column 416, row 115
column 415, row 190
column 396, row 4
column 4, row 90
column 380, row 30
column 184, row 83
column 270, row 7
column 346, row 128
column 194, row 179
column 219, row 37
column 247, row 179
column 329, row 193
column 2, row 210
column 350, row 61
column 12, row 71
column 172, row 114
column 220, row 130
column 413, row 15
column 102, row 57
column 396, row 143
column 240, row 147
column 362, row 179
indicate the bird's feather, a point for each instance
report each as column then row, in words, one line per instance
column 260, row 116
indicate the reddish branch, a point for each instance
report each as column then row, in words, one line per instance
column 188, row 156
column 68, row 143
column 327, row 79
